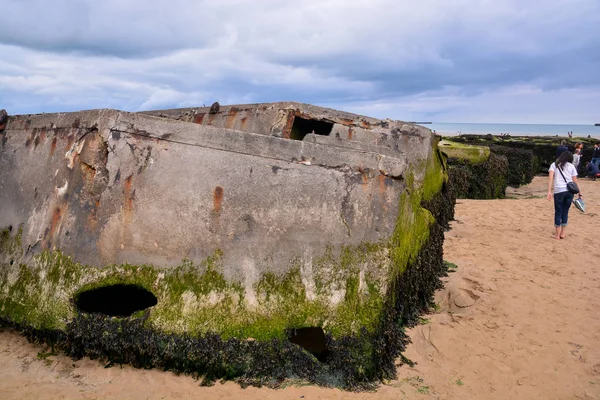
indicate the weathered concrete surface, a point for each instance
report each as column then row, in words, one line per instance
column 275, row 233
column 127, row 187
column 277, row 119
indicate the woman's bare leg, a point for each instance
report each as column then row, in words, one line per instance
column 557, row 233
column 562, row 232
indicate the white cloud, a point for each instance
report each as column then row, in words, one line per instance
column 432, row 57
column 521, row 103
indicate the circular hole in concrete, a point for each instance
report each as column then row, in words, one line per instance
column 115, row 300
column 311, row 339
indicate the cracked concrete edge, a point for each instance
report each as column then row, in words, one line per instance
column 322, row 151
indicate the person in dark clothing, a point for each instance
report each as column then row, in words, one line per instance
column 592, row 170
column 561, row 148
column 596, row 154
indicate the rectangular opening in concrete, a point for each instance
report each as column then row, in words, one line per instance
column 303, row 126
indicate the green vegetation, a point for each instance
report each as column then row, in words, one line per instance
column 191, row 298
column 423, row 389
column 543, row 149
column 486, row 180
column 198, row 299
column 470, row 153
column 450, row 265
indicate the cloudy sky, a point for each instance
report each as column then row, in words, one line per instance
column 522, row 61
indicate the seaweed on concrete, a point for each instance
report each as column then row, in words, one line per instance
column 484, row 180
column 543, row 148
column 354, row 360
column 521, row 164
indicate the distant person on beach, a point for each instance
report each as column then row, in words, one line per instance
column 577, row 155
column 560, row 173
column 561, row 148
column 596, row 154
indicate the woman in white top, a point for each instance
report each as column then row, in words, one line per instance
column 560, row 173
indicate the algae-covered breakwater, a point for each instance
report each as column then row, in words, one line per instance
column 543, row 148
column 256, row 242
column 481, row 166
column 475, row 172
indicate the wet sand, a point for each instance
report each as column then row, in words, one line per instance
column 519, row 318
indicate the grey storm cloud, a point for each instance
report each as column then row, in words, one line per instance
column 395, row 58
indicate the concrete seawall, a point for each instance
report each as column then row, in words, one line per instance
column 247, row 222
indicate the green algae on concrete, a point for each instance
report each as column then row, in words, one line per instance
column 195, row 299
column 198, row 299
column 476, row 172
column 348, row 292
column 470, row 153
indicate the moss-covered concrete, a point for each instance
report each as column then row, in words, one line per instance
column 197, row 299
column 477, row 172
column 470, row 153
column 360, row 295
column 542, row 147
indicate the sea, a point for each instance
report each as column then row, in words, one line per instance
column 514, row 129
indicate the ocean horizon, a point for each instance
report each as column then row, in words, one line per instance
column 514, row 129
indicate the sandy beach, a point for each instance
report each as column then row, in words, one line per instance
column 518, row 319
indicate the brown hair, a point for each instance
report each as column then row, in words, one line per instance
column 565, row 157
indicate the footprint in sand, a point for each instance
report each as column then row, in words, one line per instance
column 462, row 298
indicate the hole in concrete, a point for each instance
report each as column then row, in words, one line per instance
column 115, row 300
column 311, row 339
column 302, row 127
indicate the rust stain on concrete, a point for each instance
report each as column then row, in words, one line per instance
column 364, row 176
column 57, row 216
column 70, row 140
column 128, row 182
column 53, row 146
column 88, row 174
column 381, row 184
column 129, row 196
column 289, row 123
column 93, row 218
column 211, row 118
column 56, row 219
column 217, row 199
column 29, row 139
column 198, row 118
column 230, row 123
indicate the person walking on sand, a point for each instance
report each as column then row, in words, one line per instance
column 561, row 172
